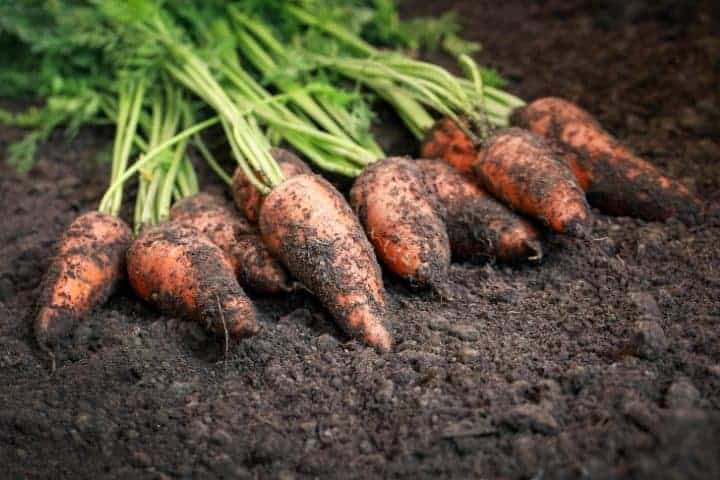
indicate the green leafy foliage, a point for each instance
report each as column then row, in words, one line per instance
column 75, row 55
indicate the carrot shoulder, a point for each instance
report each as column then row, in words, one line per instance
column 248, row 199
column 478, row 225
column 616, row 180
column 522, row 170
column 447, row 141
column 181, row 271
column 309, row 226
column 402, row 221
column 85, row 271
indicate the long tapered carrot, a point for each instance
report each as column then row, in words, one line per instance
column 248, row 199
column 402, row 220
column 616, row 180
column 89, row 263
column 309, row 226
column 254, row 266
column 182, row 272
column 479, row 226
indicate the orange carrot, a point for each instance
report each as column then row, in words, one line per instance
column 446, row 140
column 181, row 271
column 522, row 170
column 254, row 266
column 478, row 225
column 616, row 180
column 247, row 198
column 309, row 226
column 402, row 221
column 85, row 271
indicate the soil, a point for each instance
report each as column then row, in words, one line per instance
column 601, row 362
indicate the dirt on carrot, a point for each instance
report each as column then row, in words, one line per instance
column 479, row 227
column 446, row 140
column 307, row 224
column 254, row 266
column 521, row 170
column 85, row 271
column 403, row 221
column 182, row 272
column 616, row 180
column 247, row 198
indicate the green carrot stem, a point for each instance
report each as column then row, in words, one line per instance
column 149, row 156
column 165, row 191
column 210, row 159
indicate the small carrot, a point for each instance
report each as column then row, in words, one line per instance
column 521, row 170
column 309, row 226
column 479, row 226
column 401, row 219
column 247, row 198
column 254, row 266
column 448, row 141
column 85, row 271
column 616, row 180
column 181, row 271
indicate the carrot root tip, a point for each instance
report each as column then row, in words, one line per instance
column 443, row 290
column 293, row 286
column 577, row 229
column 534, row 249
column 380, row 339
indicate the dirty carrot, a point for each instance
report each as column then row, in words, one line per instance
column 306, row 223
column 479, row 226
column 254, row 267
column 446, row 140
column 616, row 180
column 401, row 219
column 248, row 198
column 522, row 170
column 182, row 272
column 85, row 271
column 90, row 260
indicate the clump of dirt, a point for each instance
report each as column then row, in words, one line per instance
column 602, row 361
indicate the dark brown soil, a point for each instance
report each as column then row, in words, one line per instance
column 601, row 362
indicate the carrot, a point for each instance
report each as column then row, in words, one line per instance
column 448, row 141
column 402, row 221
column 309, row 226
column 254, row 266
column 616, row 180
column 181, row 271
column 247, row 198
column 522, row 170
column 85, row 271
column 477, row 224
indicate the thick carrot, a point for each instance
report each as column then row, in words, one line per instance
column 522, row 170
column 446, row 140
column 308, row 225
column 479, row 226
column 616, row 180
column 85, row 271
column 181, row 271
column 402, row 220
column 247, row 198
column 254, row 266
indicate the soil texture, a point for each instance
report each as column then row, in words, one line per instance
column 601, row 361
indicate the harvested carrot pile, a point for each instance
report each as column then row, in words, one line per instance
column 276, row 337
column 273, row 85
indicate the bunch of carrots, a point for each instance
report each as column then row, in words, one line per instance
column 279, row 81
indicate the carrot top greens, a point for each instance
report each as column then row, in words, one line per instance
column 305, row 73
